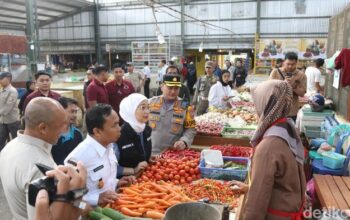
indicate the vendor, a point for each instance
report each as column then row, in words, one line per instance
column 134, row 145
column 277, row 186
column 171, row 119
column 221, row 92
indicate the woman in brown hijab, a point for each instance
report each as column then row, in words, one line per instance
column 277, row 184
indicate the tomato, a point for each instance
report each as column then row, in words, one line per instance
column 181, row 167
column 198, row 176
column 189, row 179
column 167, row 170
column 196, row 170
column 158, row 164
column 158, row 177
column 187, row 175
column 154, row 168
column 194, row 177
column 177, row 177
column 149, row 175
column 192, row 171
column 182, row 181
column 182, row 172
column 176, row 182
column 166, row 177
column 171, row 176
column 144, row 178
column 187, row 168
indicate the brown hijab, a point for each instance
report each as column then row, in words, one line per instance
column 273, row 101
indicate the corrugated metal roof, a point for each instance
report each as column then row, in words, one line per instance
column 13, row 12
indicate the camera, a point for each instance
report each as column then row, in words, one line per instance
column 289, row 75
column 50, row 185
column 47, row 183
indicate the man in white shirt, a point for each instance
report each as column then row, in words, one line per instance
column 96, row 153
column 45, row 120
column 147, row 74
column 313, row 74
column 162, row 70
column 136, row 78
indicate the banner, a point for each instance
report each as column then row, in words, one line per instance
column 305, row 48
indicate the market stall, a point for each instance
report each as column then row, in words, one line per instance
column 182, row 176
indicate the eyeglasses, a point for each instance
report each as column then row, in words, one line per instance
column 172, row 73
column 208, row 67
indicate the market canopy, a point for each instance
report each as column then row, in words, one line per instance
column 13, row 13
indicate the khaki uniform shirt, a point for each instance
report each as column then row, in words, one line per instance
column 135, row 79
column 17, row 170
column 298, row 80
column 9, row 112
column 203, row 87
column 170, row 125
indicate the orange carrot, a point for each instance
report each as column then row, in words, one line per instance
column 159, row 188
column 162, row 202
column 151, row 195
column 130, row 191
column 129, row 212
column 123, row 202
column 154, row 215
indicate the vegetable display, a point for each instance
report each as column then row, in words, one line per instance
column 214, row 190
column 233, row 151
column 148, row 199
column 180, row 154
column 177, row 171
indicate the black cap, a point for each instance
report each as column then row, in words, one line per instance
column 172, row 80
column 5, row 74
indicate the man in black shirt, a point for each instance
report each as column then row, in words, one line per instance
column 69, row 140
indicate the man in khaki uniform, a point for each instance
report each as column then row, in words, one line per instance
column 136, row 78
column 9, row 113
column 200, row 99
column 171, row 119
column 294, row 77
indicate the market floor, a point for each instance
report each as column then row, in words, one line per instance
column 4, row 208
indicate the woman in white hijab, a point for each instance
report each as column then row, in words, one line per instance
column 134, row 146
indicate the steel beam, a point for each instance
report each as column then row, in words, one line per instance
column 31, row 37
column 182, row 26
column 258, row 16
column 97, row 32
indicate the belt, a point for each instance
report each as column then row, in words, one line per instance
column 291, row 215
column 203, row 98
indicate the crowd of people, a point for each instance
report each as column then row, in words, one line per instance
column 126, row 129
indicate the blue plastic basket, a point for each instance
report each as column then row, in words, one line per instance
column 333, row 160
column 226, row 174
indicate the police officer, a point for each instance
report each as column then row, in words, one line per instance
column 204, row 83
column 171, row 119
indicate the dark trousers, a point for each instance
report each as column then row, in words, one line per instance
column 146, row 87
column 5, row 130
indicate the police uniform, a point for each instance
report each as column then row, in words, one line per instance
column 172, row 123
column 200, row 98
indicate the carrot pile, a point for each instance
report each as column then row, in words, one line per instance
column 148, row 199
column 214, row 190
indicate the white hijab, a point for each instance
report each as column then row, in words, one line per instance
column 128, row 108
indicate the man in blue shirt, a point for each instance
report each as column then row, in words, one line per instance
column 217, row 70
column 69, row 140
